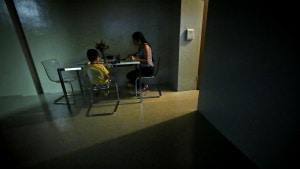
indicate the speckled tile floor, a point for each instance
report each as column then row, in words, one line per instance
column 165, row 132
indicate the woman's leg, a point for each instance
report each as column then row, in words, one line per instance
column 147, row 71
column 132, row 75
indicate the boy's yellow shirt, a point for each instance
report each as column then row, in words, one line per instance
column 98, row 74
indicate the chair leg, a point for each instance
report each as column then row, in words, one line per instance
column 88, row 114
column 116, row 107
column 90, row 104
column 117, row 90
column 156, row 96
column 118, row 96
column 57, row 101
column 135, row 87
column 144, row 96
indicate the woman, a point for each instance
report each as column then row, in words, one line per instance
column 144, row 56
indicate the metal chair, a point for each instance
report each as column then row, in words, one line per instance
column 102, row 91
column 51, row 66
column 149, row 78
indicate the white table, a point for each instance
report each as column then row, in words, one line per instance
column 80, row 67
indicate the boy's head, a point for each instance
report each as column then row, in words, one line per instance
column 92, row 55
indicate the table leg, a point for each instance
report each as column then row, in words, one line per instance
column 79, row 80
column 64, row 88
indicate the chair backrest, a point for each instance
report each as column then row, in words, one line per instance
column 51, row 66
column 157, row 67
column 91, row 73
column 88, row 72
column 93, row 87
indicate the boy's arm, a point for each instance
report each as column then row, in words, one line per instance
column 106, row 73
column 106, row 76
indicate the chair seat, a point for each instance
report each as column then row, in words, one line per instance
column 145, row 77
column 101, row 87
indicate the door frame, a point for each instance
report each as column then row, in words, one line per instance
column 204, row 22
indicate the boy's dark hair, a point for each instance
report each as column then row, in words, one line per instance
column 92, row 54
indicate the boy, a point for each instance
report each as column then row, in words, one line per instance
column 96, row 71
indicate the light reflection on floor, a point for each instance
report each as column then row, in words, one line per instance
column 165, row 132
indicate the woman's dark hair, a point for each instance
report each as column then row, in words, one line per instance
column 139, row 37
column 92, row 54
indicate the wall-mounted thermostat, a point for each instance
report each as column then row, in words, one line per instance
column 189, row 34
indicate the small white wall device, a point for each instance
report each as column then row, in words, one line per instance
column 189, row 34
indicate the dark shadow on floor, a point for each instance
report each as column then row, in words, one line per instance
column 189, row 141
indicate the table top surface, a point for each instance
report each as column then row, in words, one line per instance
column 79, row 65
column 124, row 63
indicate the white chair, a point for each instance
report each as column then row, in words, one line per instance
column 51, row 66
column 146, row 78
column 102, row 91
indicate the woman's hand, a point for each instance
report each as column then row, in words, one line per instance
column 133, row 58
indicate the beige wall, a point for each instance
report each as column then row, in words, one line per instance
column 189, row 50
